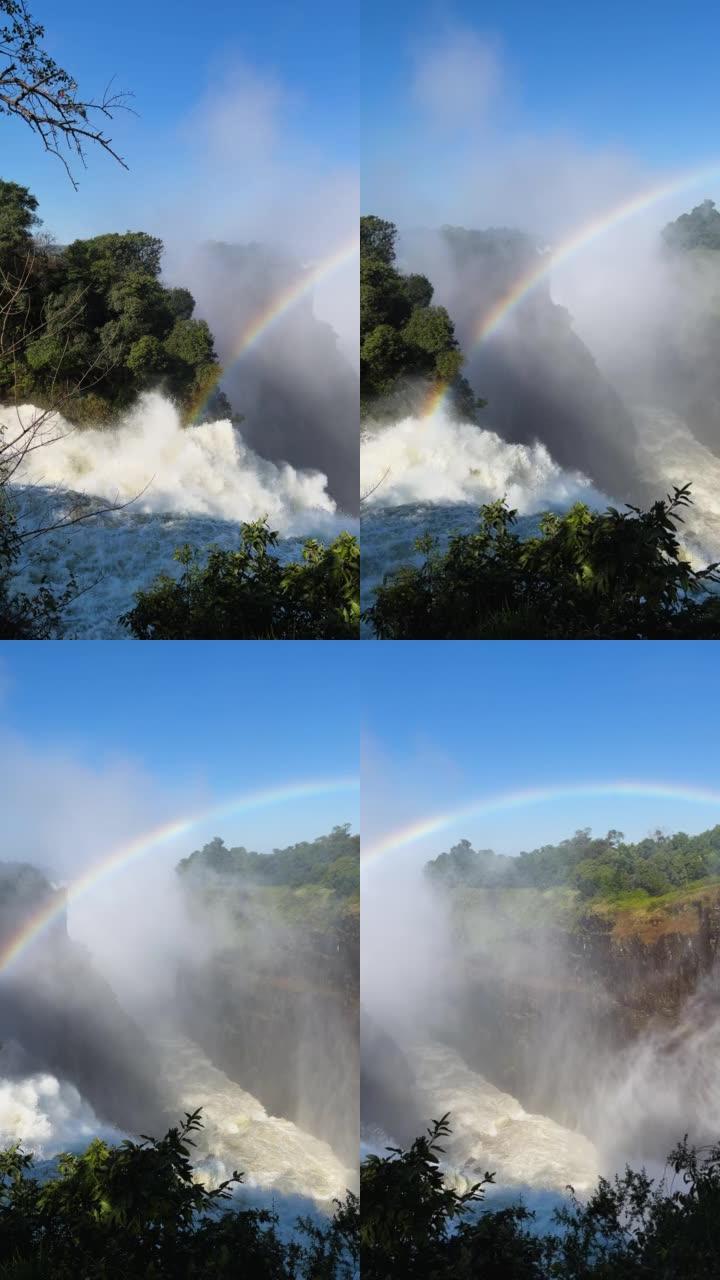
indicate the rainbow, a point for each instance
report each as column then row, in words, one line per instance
column 273, row 311
column 576, row 241
column 509, row 800
column 129, row 852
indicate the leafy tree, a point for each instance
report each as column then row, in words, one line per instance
column 588, row 575
column 699, row 229
column 377, row 239
column 250, row 594
column 332, row 860
column 597, row 867
column 404, row 341
column 92, row 324
column 413, row 1225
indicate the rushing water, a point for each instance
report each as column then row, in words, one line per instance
column 533, row 1158
column 432, row 475
column 194, row 485
column 283, row 1166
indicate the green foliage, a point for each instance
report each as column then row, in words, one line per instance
column 377, row 239
column 91, row 325
column 414, row 1225
column 137, row 1210
column 332, row 861
column 699, row 229
column 18, row 218
column 597, row 868
column 588, row 575
column 249, row 594
column 402, row 337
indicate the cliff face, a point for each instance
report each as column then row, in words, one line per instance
column 650, row 964
column 283, row 1022
column 540, row 380
column 66, row 1016
column 538, row 1007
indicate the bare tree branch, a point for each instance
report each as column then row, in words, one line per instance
column 373, row 489
column 33, row 88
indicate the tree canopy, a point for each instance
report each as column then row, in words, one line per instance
column 699, row 229
column 597, row 867
column 331, row 861
column 137, row 1209
column 91, row 324
column 587, row 575
column 403, row 338
column 633, row 1227
column 250, row 594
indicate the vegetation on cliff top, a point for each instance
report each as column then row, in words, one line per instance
column 595, row 869
column 315, row 882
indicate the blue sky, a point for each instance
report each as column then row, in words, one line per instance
column 185, row 724
column 612, row 72
column 300, row 61
column 601, row 96
column 447, row 723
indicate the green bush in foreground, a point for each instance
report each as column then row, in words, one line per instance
column 134, row 1210
column 249, row 594
column 587, row 576
column 413, row 1225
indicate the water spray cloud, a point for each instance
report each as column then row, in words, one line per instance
column 274, row 311
column 579, row 239
column 121, row 857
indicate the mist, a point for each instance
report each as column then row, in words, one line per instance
column 608, row 362
column 262, row 208
column 558, row 1058
column 147, row 997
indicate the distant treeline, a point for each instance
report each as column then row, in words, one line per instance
column 605, row 866
column 331, row 862
column 88, row 326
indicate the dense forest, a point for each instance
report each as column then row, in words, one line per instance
column 88, row 326
column 596, row 867
column 407, row 346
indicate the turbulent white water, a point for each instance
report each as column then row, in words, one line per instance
column 441, row 461
column 284, row 1167
column 45, row 1114
column 432, row 475
column 275, row 1155
column 492, row 1131
column 195, row 485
